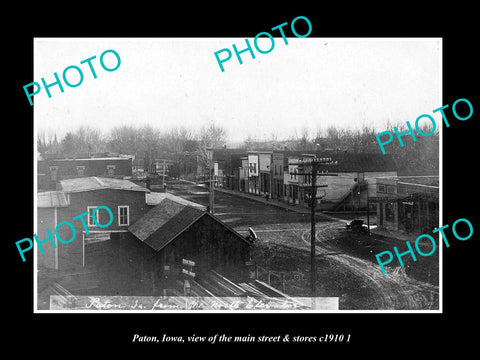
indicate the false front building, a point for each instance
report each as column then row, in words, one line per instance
column 348, row 179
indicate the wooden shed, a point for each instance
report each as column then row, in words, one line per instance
column 177, row 234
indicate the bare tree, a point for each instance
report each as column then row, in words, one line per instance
column 178, row 139
column 123, row 139
column 83, row 140
column 212, row 136
column 47, row 143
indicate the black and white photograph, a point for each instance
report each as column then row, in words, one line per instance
column 207, row 174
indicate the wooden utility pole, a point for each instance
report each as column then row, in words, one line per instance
column 163, row 176
column 211, row 176
column 212, row 194
column 368, row 212
column 314, row 164
column 313, row 199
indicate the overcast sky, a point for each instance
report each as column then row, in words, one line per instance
column 311, row 82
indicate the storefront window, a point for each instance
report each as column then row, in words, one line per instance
column 390, row 212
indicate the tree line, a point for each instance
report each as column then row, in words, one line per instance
column 144, row 142
column 180, row 143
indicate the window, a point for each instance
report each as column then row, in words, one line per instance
column 80, row 170
column 111, row 170
column 390, row 212
column 391, row 189
column 381, row 188
column 123, row 216
column 98, row 216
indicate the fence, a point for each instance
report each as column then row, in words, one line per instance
column 273, row 278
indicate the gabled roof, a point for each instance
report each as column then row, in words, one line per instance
column 167, row 221
column 169, row 216
column 51, row 199
column 97, row 183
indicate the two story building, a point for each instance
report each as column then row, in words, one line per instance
column 354, row 179
column 142, row 248
column 126, row 201
column 277, row 190
column 50, row 171
column 262, row 172
column 253, row 174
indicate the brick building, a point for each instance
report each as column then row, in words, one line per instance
column 49, row 171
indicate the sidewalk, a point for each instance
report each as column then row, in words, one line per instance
column 397, row 235
column 277, row 203
column 303, row 210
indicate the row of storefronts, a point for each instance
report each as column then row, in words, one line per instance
column 408, row 204
column 349, row 181
column 278, row 175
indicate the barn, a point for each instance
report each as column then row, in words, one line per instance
column 181, row 238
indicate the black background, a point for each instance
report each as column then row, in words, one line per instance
column 371, row 334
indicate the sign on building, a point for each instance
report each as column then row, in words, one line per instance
column 265, row 161
column 188, row 264
column 252, row 165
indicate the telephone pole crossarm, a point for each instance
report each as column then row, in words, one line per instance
column 304, row 167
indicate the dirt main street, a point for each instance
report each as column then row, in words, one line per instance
column 345, row 262
column 396, row 290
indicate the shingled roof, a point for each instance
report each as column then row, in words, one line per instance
column 170, row 216
column 167, row 220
